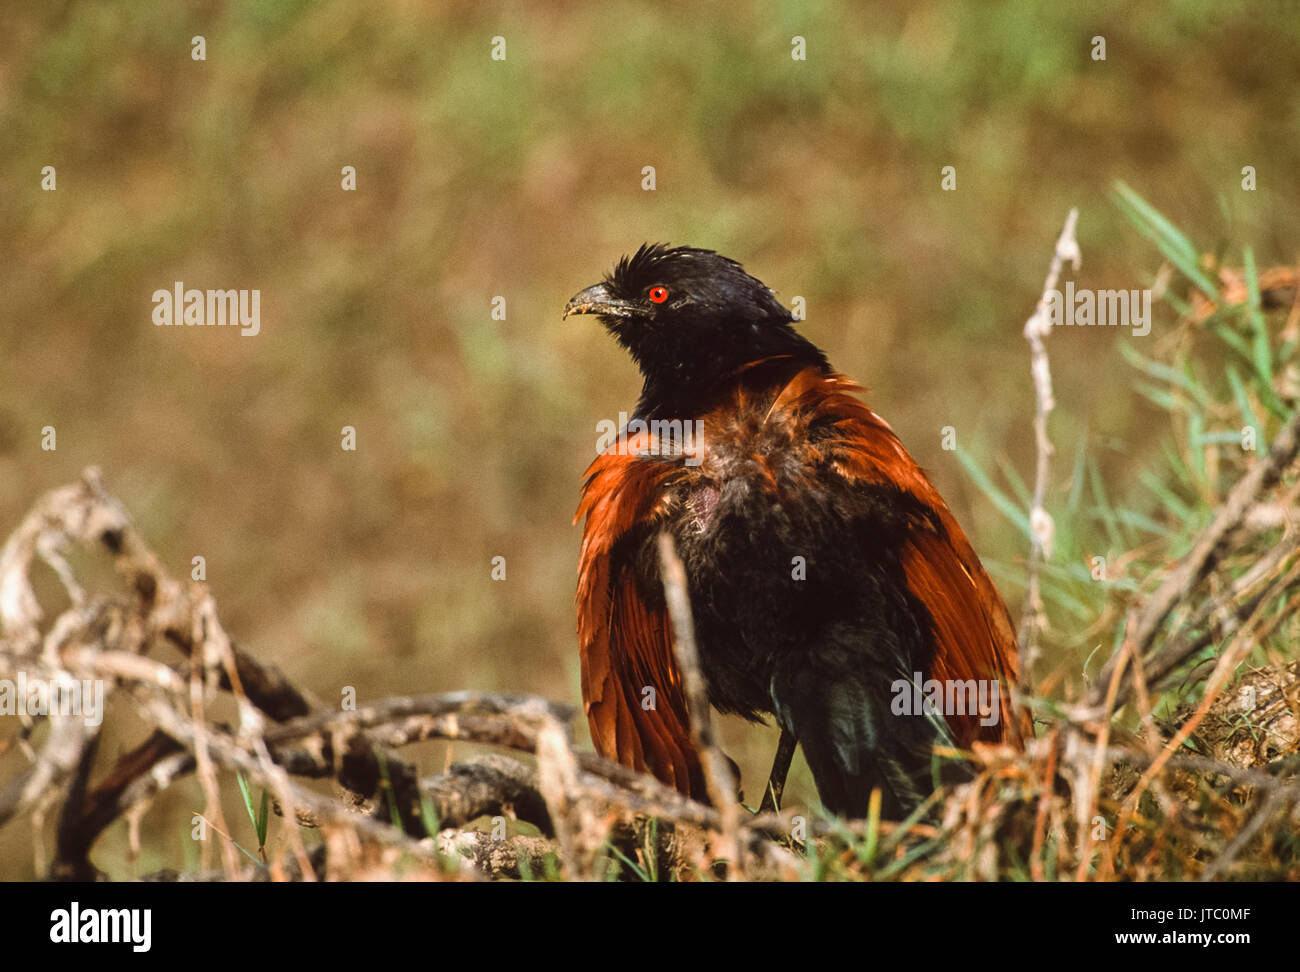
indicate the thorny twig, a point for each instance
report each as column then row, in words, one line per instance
column 1036, row 330
column 717, row 776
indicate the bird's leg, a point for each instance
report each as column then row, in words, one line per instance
column 780, row 767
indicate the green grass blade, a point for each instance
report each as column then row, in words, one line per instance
column 1018, row 485
column 1176, row 247
column 1167, row 497
column 1165, row 373
column 1195, row 444
column 1244, row 406
column 1077, row 474
column 1159, row 396
column 247, row 794
column 1104, row 510
column 263, row 820
column 1004, row 503
column 1141, row 521
column 1228, row 336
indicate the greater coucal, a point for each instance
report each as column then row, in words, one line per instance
column 824, row 569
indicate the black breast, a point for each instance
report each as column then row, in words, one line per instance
column 787, row 560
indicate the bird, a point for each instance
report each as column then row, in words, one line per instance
column 829, row 583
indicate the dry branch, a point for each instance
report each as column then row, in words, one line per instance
column 281, row 732
column 580, row 803
column 717, row 775
column 1036, row 331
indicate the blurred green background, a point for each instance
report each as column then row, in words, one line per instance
column 522, row 178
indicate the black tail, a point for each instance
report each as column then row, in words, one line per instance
column 855, row 743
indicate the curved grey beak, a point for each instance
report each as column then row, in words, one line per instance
column 598, row 300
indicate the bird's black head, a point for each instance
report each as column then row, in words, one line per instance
column 689, row 318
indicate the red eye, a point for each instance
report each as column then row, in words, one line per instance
column 658, row 294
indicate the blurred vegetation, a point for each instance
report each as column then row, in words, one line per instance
column 1222, row 376
column 522, row 178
